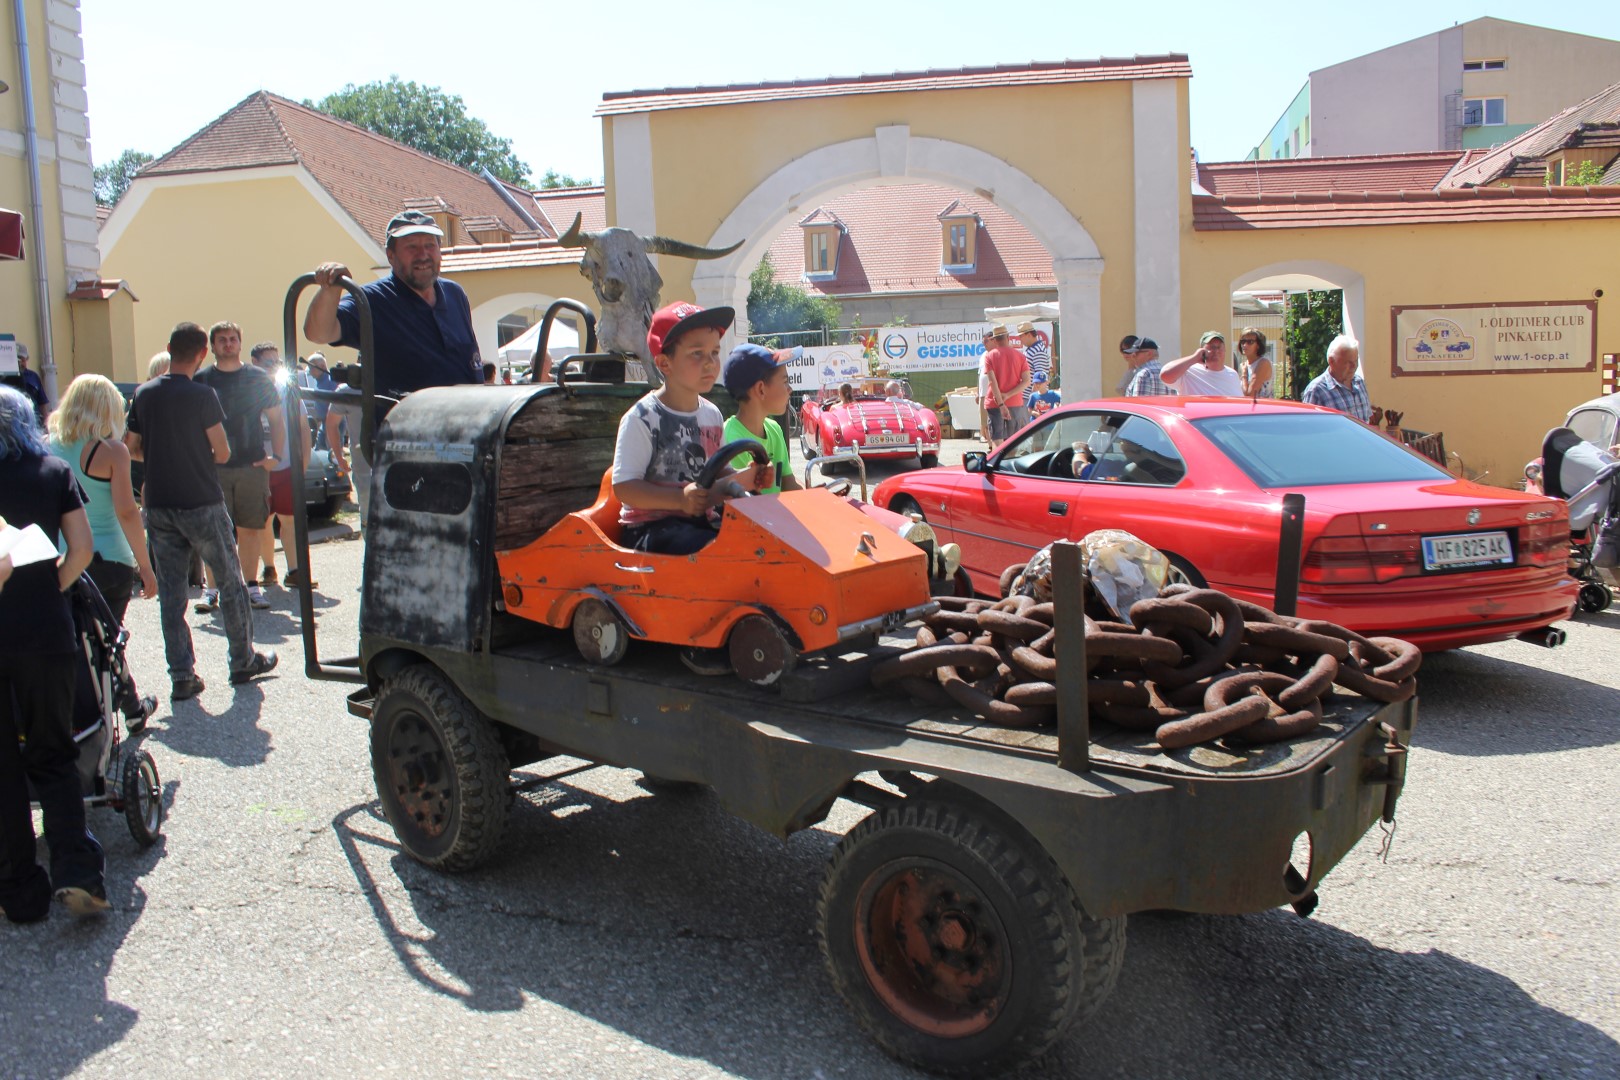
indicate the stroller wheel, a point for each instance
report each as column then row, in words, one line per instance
column 1594, row 597
column 143, row 798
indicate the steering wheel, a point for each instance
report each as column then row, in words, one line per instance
column 718, row 460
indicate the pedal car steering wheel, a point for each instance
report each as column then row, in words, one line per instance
column 710, row 472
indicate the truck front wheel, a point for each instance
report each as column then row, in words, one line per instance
column 959, row 945
column 440, row 769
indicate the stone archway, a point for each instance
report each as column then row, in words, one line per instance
column 1297, row 274
column 488, row 313
column 894, row 155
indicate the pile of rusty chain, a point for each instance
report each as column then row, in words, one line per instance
column 1193, row 665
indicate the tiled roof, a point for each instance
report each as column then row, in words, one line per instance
column 1372, row 172
column 1593, row 117
column 370, row 176
column 1336, row 209
column 892, row 243
column 519, row 253
column 559, row 205
column 1171, row 66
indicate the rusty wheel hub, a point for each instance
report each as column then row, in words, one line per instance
column 419, row 773
column 933, row 948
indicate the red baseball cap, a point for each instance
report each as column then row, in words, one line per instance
column 672, row 320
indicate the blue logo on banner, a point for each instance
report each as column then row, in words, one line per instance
column 894, row 346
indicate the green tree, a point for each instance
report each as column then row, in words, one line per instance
column 112, row 179
column 1311, row 323
column 1584, row 174
column 427, row 118
column 777, row 306
column 555, row 179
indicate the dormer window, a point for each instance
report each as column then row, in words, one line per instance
column 959, row 231
column 822, row 233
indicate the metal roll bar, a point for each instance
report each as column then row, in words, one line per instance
column 344, row 669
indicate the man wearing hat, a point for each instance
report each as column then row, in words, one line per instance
column 1009, row 379
column 422, row 323
column 1038, row 354
column 31, row 385
column 1142, row 368
column 1204, row 373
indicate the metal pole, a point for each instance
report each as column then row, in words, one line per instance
column 1290, row 539
column 42, row 279
column 346, row 669
column 1069, row 626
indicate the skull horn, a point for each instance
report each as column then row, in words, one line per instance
column 573, row 237
column 663, row 245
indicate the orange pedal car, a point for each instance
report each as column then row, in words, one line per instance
column 786, row 575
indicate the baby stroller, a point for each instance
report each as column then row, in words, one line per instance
column 112, row 770
column 1588, row 479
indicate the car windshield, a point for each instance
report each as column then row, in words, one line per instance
column 1310, row 449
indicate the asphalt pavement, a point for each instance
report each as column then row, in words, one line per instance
column 277, row 929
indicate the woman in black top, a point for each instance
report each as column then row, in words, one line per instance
column 36, row 682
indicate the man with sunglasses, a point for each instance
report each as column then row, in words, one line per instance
column 1142, row 368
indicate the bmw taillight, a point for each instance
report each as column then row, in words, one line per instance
column 1545, row 543
column 1362, row 560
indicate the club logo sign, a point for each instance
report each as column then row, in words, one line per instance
column 895, row 347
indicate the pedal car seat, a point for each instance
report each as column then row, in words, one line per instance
column 604, row 513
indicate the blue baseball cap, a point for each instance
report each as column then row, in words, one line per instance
column 1039, row 376
column 749, row 364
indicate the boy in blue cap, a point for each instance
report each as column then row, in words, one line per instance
column 757, row 377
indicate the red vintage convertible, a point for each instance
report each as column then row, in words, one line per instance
column 875, row 422
column 1393, row 544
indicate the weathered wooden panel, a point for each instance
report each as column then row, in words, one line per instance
column 559, row 416
column 556, row 451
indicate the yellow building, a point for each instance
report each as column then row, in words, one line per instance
column 1091, row 157
column 221, row 226
column 54, row 299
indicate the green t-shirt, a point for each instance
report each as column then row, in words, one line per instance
column 775, row 445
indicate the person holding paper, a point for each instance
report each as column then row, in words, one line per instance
column 37, row 644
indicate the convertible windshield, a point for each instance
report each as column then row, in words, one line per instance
column 1312, row 449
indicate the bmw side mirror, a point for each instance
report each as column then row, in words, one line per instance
column 974, row 462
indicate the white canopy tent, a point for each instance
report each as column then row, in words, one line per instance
column 1038, row 312
column 563, row 341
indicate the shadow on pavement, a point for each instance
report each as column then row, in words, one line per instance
column 233, row 737
column 1496, row 706
column 55, row 1012
column 670, row 921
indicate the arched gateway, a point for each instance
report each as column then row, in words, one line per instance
column 1089, row 156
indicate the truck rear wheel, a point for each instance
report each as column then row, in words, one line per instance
column 958, row 944
column 440, row 769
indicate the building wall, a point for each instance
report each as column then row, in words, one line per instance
column 66, row 179
column 1547, row 71
column 1278, row 142
column 1386, row 102
column 1495, row 422
column 224, row 245
column 682, row 195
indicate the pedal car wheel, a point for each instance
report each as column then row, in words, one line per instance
column 440, row 769
column 957, row 942
column 142, row 794
column 1594, row 597
column 760, row 652
column 599, row 634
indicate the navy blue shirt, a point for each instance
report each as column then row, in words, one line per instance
column 417, row 345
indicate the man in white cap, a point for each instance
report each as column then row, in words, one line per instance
column 1204, row 373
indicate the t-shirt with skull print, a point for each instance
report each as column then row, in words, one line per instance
column 666, row 447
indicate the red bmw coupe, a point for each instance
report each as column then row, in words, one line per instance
column 1393, row 544
column 876, row 422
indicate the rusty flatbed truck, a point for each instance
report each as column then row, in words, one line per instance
column 978, row 911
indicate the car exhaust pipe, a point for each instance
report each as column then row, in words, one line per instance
column 1548, row 637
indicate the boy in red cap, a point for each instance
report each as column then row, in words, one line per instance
column 668, row 435
column 757, row 377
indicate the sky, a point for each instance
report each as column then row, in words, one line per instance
column 160, row 70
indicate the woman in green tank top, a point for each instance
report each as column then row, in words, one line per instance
column 87, row 430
